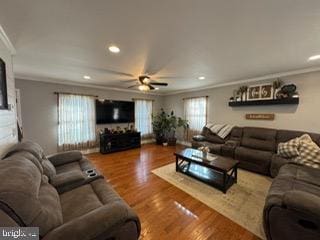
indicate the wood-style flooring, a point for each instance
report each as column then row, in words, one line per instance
column 165, row 211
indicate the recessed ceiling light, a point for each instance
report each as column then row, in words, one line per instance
column 201, row 78
column 315, row 57
column 114, row 49
column 156, row 88
column 86, row 77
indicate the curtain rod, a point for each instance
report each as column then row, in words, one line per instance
column 78, row 94
column 195, row 97
column 143, row 99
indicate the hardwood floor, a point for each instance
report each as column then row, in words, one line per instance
column 165, row 211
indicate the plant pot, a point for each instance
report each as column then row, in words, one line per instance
column 172, row 141
column 165, row 144
column 160, row 140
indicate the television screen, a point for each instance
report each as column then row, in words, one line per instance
column 114, row 111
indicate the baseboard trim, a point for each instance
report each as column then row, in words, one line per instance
column 146, row 141
column 95, row 150
column 184, row 143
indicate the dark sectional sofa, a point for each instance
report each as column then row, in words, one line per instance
column 292, row 208
column 63, row 195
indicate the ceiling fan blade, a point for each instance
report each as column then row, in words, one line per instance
column 159, row 83
column 133, row 86
column 151, row 88
column 129, row 80
column 173, row 77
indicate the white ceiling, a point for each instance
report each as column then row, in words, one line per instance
column 176, row 39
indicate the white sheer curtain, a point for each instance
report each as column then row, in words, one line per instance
column 195, row 110
column 143, row 117
column 77, row 122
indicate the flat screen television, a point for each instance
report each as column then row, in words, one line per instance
column 108, row 111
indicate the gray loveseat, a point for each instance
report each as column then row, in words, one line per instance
column 62, row 195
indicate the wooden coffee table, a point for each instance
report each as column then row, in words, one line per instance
column 217, row 171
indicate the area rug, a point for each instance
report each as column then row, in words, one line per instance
column 243, row 203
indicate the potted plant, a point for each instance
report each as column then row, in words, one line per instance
column 174, row 123
column 159, row 125
column 165, row 125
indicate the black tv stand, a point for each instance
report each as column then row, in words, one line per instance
column 115, row 142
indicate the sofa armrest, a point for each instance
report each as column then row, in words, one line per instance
column 276, row 163
column 66, row 181
column 97, row 223
column 58, row 159
column 303, row 202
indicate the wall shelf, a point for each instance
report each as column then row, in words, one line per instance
column 286, row 101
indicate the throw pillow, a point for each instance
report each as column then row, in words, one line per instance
column 289, row 149
column 309, row 153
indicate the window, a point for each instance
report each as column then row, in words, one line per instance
column 76, row 114
column 143, row 116
column 195, row 110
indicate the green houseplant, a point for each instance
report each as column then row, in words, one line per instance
column 165, row 126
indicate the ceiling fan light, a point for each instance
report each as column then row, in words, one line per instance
column 146, row 80
column 144, row 88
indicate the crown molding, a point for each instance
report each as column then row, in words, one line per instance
column 5, row 39
column 71, row 83
column 249, row 80
column 218, row 85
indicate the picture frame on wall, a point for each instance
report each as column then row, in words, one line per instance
column 253, row 93
column 260, row 92
column 3, row 86
column 266, row 91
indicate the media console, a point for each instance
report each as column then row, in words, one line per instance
column 114, row 142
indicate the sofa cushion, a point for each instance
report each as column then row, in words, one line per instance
column 48, row 168
column 78, row 202
column 28, row 146
column 276, row 163
column 253, row 159
column 259, row 138
column 210, row 136
column 289, row 149
column 23, row 155
column 300, row 173
column 236, row 134
column 309, row 154
column 30, row 195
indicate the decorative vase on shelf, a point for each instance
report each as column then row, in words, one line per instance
column 244, row 97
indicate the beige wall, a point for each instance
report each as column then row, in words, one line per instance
column 305, row 116
column 8, row 124
column 39, row 108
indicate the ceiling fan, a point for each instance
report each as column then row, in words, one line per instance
column 145, row 83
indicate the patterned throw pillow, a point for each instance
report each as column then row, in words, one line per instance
column 289, row 149
column 309, row 153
